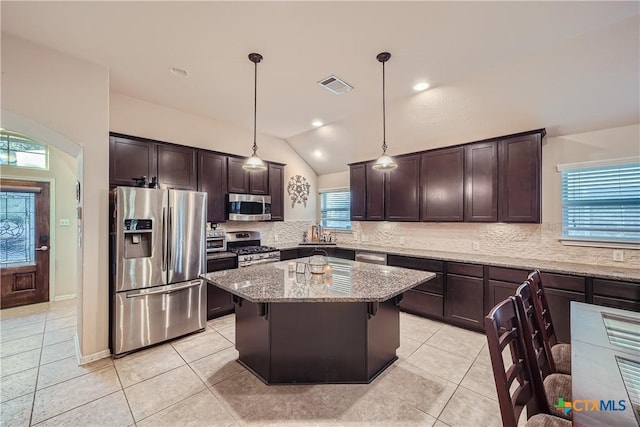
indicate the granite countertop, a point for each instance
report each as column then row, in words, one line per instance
column 351, row 281
column 603, row 272
column 220, row 255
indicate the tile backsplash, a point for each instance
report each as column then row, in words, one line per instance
column 534, row 241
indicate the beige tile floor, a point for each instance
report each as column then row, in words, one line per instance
column 443, row 378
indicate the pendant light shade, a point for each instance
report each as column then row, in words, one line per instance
column 384, row 162
column 254, row 163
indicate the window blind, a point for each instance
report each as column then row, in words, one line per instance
column 602, row 203
column 335, row 209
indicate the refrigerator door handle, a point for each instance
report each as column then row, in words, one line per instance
column 170, row 233
column 164, row 291
column 164, row 240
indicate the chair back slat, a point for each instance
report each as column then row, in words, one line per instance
column 542, row 307
column 504, row 328
column 525, row 297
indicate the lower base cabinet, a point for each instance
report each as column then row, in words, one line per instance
column 219, row 302
column 464, row 295
column 423, row 303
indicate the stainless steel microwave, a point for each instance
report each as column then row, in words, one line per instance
column 248, row 207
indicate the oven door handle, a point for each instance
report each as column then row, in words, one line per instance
column 261, row 261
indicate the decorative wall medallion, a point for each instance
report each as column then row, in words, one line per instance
column 298, row 190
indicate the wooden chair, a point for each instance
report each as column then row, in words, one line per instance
column 504, row 328
column 560, row 354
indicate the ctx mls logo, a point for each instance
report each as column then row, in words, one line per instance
column 589, row 405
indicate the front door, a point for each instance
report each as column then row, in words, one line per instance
column 24, row 242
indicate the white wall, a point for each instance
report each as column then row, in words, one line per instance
column 70, row 97
column 62, row 175
column 140, row 118
column 333, row 181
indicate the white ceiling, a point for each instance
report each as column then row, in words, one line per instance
column 448, row 44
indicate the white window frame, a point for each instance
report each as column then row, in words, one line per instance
column 35, row 141
column 595, row 242
column 332, row 190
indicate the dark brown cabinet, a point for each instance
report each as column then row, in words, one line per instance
column 212, row 179
column 345, row 254
column 425, row 299
column 219, row 301
column 238, row 178
column 129, row 158
column 442, row 182
column 464, row 295
column 402, row 190
column 481, row 182
column 519, row 161
column 177, row 167
column 616, row 294
column 358, row 189
column 375, row 193
column 276, row 190
column 246, row 182
column 287, row 254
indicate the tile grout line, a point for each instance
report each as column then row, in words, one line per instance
column 126, row 399
column 35, row 386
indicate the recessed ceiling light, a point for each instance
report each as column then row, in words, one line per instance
column 421, row 86
column 317, row 123
column 317, row 153
column 178, row 72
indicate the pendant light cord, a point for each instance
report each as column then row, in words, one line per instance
column 255, row 105
column 384, row 118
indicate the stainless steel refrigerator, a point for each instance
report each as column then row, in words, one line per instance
column 158, row 251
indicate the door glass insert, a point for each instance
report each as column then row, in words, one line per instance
column 17, row 228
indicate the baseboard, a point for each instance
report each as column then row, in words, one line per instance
column 64, row 297
column 83, row 360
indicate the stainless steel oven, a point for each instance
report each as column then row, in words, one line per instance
column 216, row 241
column 248, row 207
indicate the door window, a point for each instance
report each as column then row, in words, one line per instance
column 17, row 228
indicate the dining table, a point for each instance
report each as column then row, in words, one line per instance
column 605, row 366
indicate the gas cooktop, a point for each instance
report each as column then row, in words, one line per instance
column 248, row 250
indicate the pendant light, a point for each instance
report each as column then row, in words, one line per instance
column 254, row 163
column 384, row 162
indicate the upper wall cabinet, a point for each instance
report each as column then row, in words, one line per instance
column 402, row 190
column 519, row 164
column 212, row 179
column 177, row 167
column 481, row 182
column 276, row 190
column 375, row 193
column 129, row 158
column 442, row 181
column 358, row 188
column 243, row 181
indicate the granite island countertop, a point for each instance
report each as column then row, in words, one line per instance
column 351, row 281
column 603, row 272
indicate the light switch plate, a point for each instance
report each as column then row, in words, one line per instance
column 364, row 238
column 475, row 246
column 65, row 222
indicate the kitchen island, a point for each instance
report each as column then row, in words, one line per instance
column 317, row 328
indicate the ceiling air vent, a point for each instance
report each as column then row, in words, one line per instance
column 335, row 85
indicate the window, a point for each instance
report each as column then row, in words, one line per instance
column 17, row 228
column 19, row 150
column 335, row 209
column 601, row 203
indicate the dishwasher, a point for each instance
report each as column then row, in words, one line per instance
column 371, row 257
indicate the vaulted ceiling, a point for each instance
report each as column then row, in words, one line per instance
column 568, row 66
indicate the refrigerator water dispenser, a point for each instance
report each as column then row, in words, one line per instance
column 138, row 237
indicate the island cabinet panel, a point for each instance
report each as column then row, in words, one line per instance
column 616, row 294
column 519, row 179
column 212, row 179
column 276, row 190
column 481, row 182
column 129, row 158
column 345, row 254
column 177, row 167
column 252, row 337
column 237, row 178
column 464, row 295
column 427, row 298
column 442, row 181
column 358, row 190
column 402, row 190
column 375, row 193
